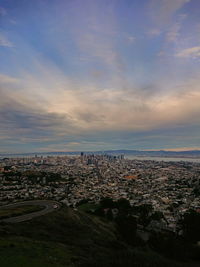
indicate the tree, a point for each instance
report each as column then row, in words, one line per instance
column 144, row 211
column 107, row 203
column 157, row 216
column 190, row 225
column 127, row 226
column 123, row 204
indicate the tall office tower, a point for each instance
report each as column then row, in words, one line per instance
column 82, row 157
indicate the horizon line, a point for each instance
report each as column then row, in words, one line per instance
column 113, row 150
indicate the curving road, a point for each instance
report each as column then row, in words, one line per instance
column 49, row 206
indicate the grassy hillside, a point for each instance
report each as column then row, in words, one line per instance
column 68, row 238
column 17, row 211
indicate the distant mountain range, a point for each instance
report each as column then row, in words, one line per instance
column 160, row 153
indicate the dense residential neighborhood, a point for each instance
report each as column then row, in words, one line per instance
column 170, row 187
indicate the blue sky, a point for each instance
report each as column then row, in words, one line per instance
column 99, row 74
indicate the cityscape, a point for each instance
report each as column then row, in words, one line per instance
column 170, row 187
column 99, row 133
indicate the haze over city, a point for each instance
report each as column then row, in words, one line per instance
column 99, row 74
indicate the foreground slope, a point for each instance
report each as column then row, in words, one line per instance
column 71, row 238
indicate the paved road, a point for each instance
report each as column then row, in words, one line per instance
column 47, row 204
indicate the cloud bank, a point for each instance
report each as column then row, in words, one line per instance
column 93, row 75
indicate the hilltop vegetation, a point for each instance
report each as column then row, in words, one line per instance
column 17, row 211
column 74, row 238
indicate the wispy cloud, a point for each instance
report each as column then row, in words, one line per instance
column 193, row 52
column 154, row 32
column 163, row 10
column 131, row 39
column 174, row 31
column 101, row 121
column 3, row 11
column 4, row 41
column 72, row 108
column 5, row 79
column 90, row 77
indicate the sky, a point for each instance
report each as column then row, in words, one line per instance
column 87, row 75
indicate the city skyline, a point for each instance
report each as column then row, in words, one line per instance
column 98, row 75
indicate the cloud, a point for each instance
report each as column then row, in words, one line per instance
column 78, row 116
column 95, row 32
column 131, row 39
column 154, row 32
column 3, row 11
column 79, row 82
column 193, row 52
column 174, row 31
column 6, row 79
column 163, row 10
column 40, row 107
column 4, row 41
column 23, row 117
